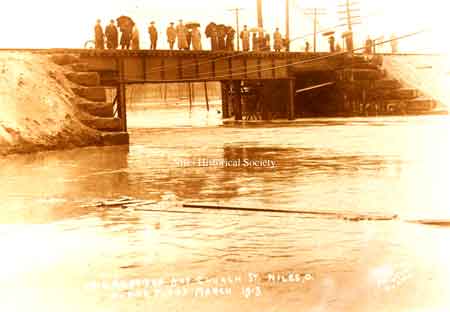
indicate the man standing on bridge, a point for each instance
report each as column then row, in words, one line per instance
column 277, row 40
column 181, row 36
column 153, row 32
column 112, row 36
column 171, row 35
column 245, row 36
column 99, row 36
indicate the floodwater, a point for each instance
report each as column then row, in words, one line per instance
column 62, row 250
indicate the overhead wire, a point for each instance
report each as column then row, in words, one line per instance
column 271, row 68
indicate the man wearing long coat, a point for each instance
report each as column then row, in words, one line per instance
column 181, row 36
column 277, row 40
column 171, row 35
column 112, row 36
column 229, row 42
column 153, row 33
column 99, row 36
column 196, row 39
column 245, row 37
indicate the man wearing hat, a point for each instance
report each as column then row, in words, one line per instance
column 171, row 35
column 112, row 36
column 245, row 36
column 153, row 32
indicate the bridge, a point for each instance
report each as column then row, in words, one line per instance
column 94, row 71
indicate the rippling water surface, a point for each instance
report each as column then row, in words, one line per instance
column 63, row 251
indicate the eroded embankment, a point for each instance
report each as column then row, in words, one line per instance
column 428, row 73
column 37, row 107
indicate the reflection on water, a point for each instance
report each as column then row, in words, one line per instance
column 56, row 239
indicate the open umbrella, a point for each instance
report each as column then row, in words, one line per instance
column 328, row 33
column 210, row 28
column 347, row 34
column 125, row 22
column 192, row 24
column 256, row 30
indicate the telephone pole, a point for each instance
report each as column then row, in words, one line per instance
column 237, row 10
column 287, row 26
column 259, row 13
column 348, row 16
column 315, row 12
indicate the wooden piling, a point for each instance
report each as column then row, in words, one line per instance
column 225, row 98
column 291, row 99
column 237, row 103
column 190, row 97
column 122, row 98
column 205, row 85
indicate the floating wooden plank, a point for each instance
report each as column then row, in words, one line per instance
column 315, row 87
column 341, row 215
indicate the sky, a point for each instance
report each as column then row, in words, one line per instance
column 69, row 24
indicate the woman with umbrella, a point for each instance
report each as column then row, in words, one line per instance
column 230, row 32
column 196, row 36
column 126, row 25
column 211, row 32
column 221, row 33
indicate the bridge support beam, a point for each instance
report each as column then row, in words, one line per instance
column 291, row 99
column 122, row 106
column 122, row 97
column 237, row 101
column 225, row 87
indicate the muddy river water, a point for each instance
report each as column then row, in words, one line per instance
column 104, row 229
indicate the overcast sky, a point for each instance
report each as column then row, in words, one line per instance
column 59, row 23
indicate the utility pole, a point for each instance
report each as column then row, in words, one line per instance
column 315, row 12
column 259, row 13
column 287, row 26
column 348, row 16
column 237, row 10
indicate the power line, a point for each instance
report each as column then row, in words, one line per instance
column 320, row 58
column 315, row 12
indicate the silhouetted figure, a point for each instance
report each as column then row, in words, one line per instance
column 126, row 25
column 135, row 39
column 188, row 38
column 368, row 48
column 99, row 36
column 171, row 35
column 255, row 42
column 394, row 43
column 112, row 36
column 196, row 39
column 230, row 32
column 332, row 41
column 265, row 43
column 153, row 33
column 338, row 47
column 211, row 32
column 277, row 40
column 221, row 34
column 245, row 37
column 349, row 43
column 181, row 36
column 307, row 46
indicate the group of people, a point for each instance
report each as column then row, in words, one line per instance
column 187, row 37
column 222, row 37
column 128, row 40
column 261, row 41
column 370, row 46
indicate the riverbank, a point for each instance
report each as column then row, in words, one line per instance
column 37, row 110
